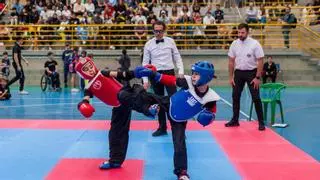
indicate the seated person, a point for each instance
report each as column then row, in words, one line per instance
column 4, row 89
column 252, row 14
column 5, row 64
column 50, row 71
column 269, row 71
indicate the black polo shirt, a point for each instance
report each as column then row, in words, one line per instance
column 17, row 49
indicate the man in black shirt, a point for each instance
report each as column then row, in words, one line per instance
column 16, row 63
column 218, row 14
column 50, row 70
column 269, row 71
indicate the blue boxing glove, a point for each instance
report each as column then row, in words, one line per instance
column 140, row 72
column 137, row 71
column 206, row 117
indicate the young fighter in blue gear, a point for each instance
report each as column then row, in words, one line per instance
column 194, row 97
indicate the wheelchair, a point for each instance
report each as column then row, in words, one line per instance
column 45, row 82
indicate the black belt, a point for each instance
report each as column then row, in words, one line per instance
column 252, row 70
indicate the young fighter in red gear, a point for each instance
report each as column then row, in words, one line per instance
column 106, row 89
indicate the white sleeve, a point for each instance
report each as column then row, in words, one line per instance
column 146, row 59
column 231, row 52
column 258, row 51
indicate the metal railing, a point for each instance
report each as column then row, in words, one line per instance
column 187, row 36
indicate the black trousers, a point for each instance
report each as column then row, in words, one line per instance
column 119, row 134
column 19, row 76
column 265, row 77
column 65, row 72
column 138, row 99
column 158, row 89
column 240, row 78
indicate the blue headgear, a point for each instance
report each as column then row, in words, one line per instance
column 205, row 70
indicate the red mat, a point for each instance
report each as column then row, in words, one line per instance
column 264, row 155
column 87, row 169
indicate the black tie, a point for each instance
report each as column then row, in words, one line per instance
column 159, row 41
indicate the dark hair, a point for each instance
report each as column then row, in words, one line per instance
column 243, row 25
column 159, row 23
column 124, row 51
column 5, row 53
column 84, row 52
column 50, row 53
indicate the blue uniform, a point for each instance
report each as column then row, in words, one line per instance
column 185, row 104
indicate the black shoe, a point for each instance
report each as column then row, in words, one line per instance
column 108, row 165
column 159, row 132
column 261, row 127
column 232, row 123
column 65, row 85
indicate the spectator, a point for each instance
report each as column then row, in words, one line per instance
column 185, row 10
column 269, row 71
column 78, row 8
column 174, row 15
column 4, row 89
column 33, row 17
column 198, row 31
column 5, row 63
column 18, row 7
column 138, row 17
column 262, row 14
column 218, row 14
column 57, row 11
column 252, row 14
column 89, row 6
column 75, row 58
column 120, row 9
column 13, row 16
column 151, row 17
column 51, row 72
column 163, row 17
column 66, row 12
column 208, row 18
column 67, row 60
column 287, row 19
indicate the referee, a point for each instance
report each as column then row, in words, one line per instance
column 245, row 66
column 162, row 52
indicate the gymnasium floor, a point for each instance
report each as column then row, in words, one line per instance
column 42, row 136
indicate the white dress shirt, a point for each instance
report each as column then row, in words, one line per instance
column 162, row 55
column 246, row 52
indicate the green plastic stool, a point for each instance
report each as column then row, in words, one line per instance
column 270, row 94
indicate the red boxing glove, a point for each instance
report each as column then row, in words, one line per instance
column 86, row 68
column 168, row 80
column 85, row 108
column 151, row 67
